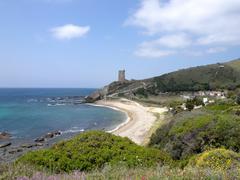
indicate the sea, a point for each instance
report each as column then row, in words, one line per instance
column 28, row 114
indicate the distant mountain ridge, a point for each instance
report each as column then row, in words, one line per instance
column 217, row 76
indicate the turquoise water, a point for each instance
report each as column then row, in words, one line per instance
column 31, row 113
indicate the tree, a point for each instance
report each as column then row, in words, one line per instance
column 190, row 105
column 198, row 102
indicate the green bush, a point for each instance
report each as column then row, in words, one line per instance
column 190, row 105
column 141, row 92
column 92, row 150
column 217, row 159
column 188, row 136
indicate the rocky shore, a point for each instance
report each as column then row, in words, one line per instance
column 10, row 151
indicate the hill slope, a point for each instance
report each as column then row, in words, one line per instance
column 209, row 77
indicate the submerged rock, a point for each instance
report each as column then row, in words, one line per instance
column 52, row 134
column 49, row 135
column 14, row 151
column 40, row 140
column 28, row 145
column 39, row 144
column 5, row 145
column 4, row 136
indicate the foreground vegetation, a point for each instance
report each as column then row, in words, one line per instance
column 25, row 172
column 93, row 150
column 100, row 155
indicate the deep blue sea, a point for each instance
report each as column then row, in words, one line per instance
column 31, row 113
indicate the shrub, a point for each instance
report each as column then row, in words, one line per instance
column 175, row 104
column 188, row 136
column 92, row 150
column 141, row 92
column 217, row 159
column 193, row 102
column 198, row 101
column 190, row 105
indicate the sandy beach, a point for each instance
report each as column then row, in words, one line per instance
column 141, row 119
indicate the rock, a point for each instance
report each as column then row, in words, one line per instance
column 4, row 135
column 98, row 95
column 5, row 145
column 57, row 133
column 15, row 151
column 28, row 145
column 93, row 97
column 40, row 140
column 39, row 144
column 49, row 135
column 52, row 134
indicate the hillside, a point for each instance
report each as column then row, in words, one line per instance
column 235, row 64
column 189, row 133
column 209, row 77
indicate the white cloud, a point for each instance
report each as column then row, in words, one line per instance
column 69, row 31
column 170, row 41
column 216, row 50
column 207, row 22
column 151, row 52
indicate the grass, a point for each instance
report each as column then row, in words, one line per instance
column 21, row 171
column 161, row 119
column 189, row 125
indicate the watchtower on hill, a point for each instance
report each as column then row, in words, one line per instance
column 121, row 76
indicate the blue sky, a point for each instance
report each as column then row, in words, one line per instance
column 83, row 43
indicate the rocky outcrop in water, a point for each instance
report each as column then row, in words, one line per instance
column 4, row 136
column 5, row 145
column 97, row 95
column 49, row 135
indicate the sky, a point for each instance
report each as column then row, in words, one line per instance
column 83, row 43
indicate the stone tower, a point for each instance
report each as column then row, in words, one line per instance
column 121, row 76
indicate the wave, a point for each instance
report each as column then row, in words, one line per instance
column 120, row 125
column 105, row 106
column 72, row 130
column 58, row 104
column 32, row 100
column 116, row 109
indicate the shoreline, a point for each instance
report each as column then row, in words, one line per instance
column 140, row 119
column 126, row 121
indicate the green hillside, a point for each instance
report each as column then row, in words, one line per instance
column 210, row 77
column 235, row 64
